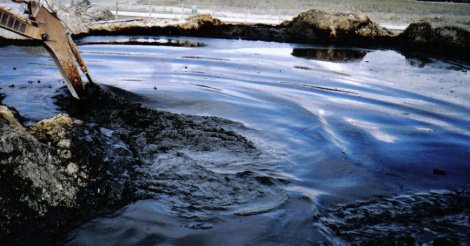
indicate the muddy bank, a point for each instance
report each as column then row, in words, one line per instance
column 312, row 26
column 309, row 27
column 107, row 153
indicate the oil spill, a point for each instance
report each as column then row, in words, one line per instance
column 436, row 218
column 309, row 146
column 194, row 165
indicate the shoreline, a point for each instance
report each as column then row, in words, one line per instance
column 310, row 27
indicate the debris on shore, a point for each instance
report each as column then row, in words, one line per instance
column 339, row 28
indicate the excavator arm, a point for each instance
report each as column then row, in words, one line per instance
column 46, row 27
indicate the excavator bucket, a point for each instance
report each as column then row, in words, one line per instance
column 45, row 26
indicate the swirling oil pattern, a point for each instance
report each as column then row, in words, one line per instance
column 333, row 125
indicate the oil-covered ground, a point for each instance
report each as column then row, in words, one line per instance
column 313, row 143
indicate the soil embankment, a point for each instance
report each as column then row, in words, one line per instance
column 314, row 26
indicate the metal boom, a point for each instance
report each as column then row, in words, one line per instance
column 46, row 27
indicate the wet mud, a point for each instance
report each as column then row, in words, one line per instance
column 189, row 162
column 56, row 174
column 436, row 218
column 108, row 152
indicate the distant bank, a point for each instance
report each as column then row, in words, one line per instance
column 453, row 1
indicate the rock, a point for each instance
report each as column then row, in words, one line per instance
column 317, row 25
column 32, row 180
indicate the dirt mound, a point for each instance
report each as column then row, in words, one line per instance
column 442, row 40
column 338, row 27
column 201, row 22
